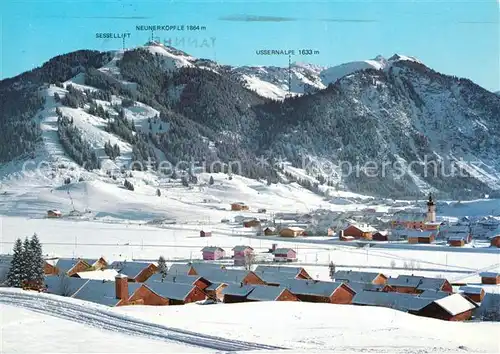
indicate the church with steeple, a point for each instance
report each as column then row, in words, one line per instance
column 417, row 220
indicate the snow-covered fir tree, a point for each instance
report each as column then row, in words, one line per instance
column 26, row 258
column 14, row 276
column 36, row 273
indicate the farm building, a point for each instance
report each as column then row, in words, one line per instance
column 320, row 291
column 380, row 236
column 451, row 308
column 205, row 233
column 268, row 231
column 291, row 272
column 242, row 254
column 239, row 206
column 54, row 214
column 271, row 293
column 70, row 266
column 212, row 253
column 363, row 232
column 166, row 293
column 490, row 277
column 284, row 255
column 349, row 276
column 420, row 236
column 475, row 293
column 135, row 271
column 291, row 231
column 495, row 241
column 235, row 293
column 251, row 223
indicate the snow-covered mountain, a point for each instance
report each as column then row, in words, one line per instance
column 273, row 82
column 157, row 104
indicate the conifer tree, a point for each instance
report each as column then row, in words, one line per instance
column 36, row 263
column 162, row 267
column 26, row 258
column 14, row 276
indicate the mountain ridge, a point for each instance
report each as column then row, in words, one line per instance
column 394, row 110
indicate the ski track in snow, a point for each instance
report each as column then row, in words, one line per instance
column 102, row 319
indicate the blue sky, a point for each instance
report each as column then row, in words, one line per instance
column 461, row 38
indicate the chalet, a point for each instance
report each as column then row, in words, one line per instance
column 166, row 293
column 349, row 276
column 285, row 255
column 363, row 232
column 321, row 291
column 433, row 294
column 215, row 291
column 49, row 267
column 420, row 236
column 239, row 206
column 97, row 264
column 70, row 266
column 451, row 308
column 291, row 231
column 212, row 253
column 101, row 274
column 242, row 254
column 181, row 269
column 199, row 267
column 359, row 287
column 62, row 285
column 380, row 236
column 235, row 293
column 457, row 240
column 495, row 241
column 251, row 223
column 205, row 233
column 230, row 276
column 109, row 293
column 135, row 271
column 271, row 293
column 194, row 280
column 475, row 293
column 291, row 272
column 397, row 301
column 54, row 214
column 434, row 284
column 415, row 284
column 490, row 277
column 268, row 231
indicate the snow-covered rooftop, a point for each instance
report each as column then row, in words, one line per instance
column 455, row 304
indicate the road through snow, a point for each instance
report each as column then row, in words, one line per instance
column 103, row 318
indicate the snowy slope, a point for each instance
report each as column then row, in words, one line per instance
column 246, row 327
